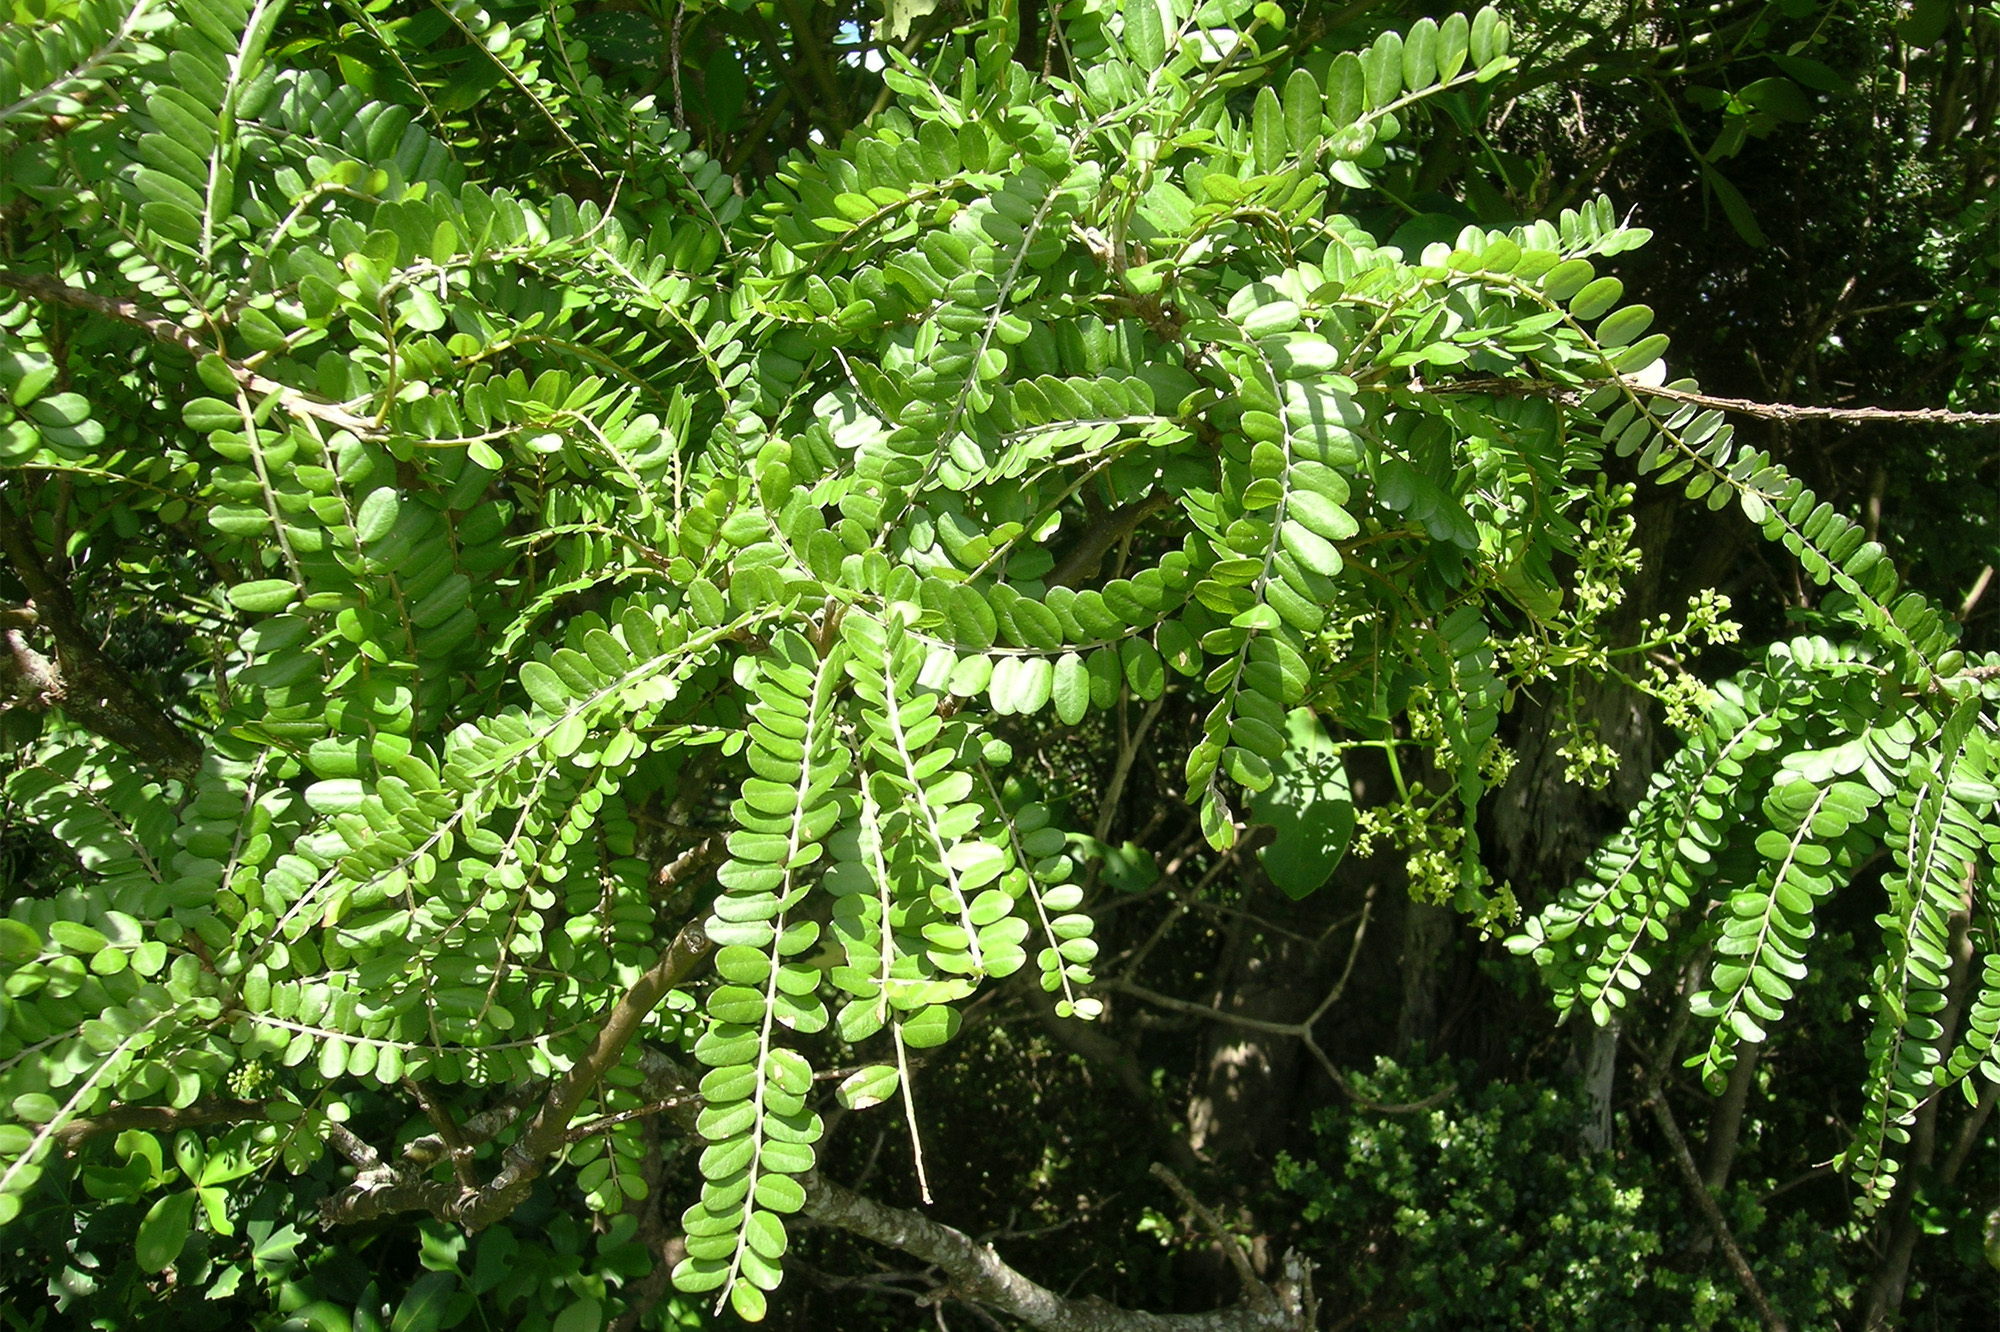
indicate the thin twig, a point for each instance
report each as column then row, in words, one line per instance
column 54, row 290
column 1122, row 768
column 1254, row 1291
column 1299, row 1031
column 1653, row 1096
column 1965, row 607
column 1767, row 411
column 600, row 1124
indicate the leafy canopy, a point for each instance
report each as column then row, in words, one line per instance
column 504, row 525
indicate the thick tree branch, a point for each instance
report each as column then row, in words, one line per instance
column 43, row 287
column 978, row 1274
column 1083, row 558
column 91, row 689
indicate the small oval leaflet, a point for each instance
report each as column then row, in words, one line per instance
column 870, row 1086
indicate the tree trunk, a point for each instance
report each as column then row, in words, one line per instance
column 1600, row 1080
column 1242, row 1106
column 1426, row 934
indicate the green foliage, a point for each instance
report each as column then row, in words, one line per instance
column 1797, row 775
column 1482, row 1213
column 512, row 521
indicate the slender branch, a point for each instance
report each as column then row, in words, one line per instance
column 456, row 1146
column 155, row 1118
column 1300, row 1031
column 1979, row 585
column 1768, row 411
column 42, row 287
column 425, row 1152
column 1121, row 771
column 806, row 40
column 975, row 1274
column 1817, row 1172
column 1088, row 552
column 1654, row 1098
column 391, row 1189
column 603, row 1122
column 1691, row 1176
column 353, row 1148
column 1726, row 1125
column 1254, row 1291
column 1968, row 1134
column 1088, row 1040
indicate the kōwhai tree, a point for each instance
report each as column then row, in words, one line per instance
column 510, row 526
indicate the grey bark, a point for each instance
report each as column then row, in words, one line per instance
column 1600, row 1079
column 978, row 1274
column 1725, row 1126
